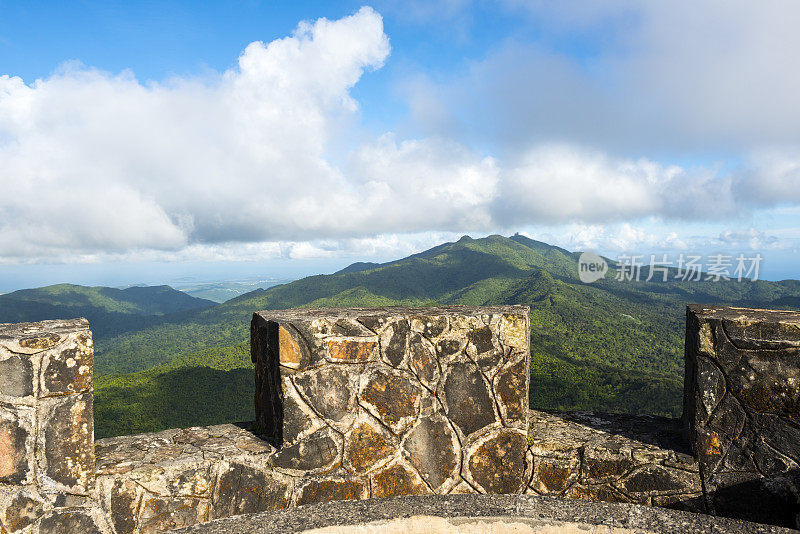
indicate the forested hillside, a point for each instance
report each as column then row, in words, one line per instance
column 609, row 345
column 110, row 311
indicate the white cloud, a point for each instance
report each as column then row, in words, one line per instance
column 94, row 161
column 239, row 164
column 630, row 77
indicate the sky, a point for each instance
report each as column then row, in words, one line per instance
column 145, row 142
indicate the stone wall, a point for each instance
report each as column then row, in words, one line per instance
column 400, row 400
column 742, row 410
column 46, row 427
column 353, row 404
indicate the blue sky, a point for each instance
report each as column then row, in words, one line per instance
column 156, row 139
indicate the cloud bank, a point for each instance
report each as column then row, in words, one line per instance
column 94, row 163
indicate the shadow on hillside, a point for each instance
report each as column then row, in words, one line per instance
column 193, row 396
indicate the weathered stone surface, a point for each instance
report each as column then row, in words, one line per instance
column 392, row 396
column 33, row 338
column 319, row 451
column 291, row 348
column 613, row 457
column 46, row 412
column 16, row 375
column 16, row 445
column 422, row 360
column 66, row 444
column 68, row 368
column 554, row 475
column 396, row 479
column 69, row 520
column 325, row 490
column 394, row 342
column 480, row 513
column 498, row 463
column 329, row 390
column 511, row 387
column 742, row 403
column 165, row 513
column 123, row 499
column 430, row 326
column 242, row 489
column 468, row 402
column 22, row 508
column 299, row 418
column 353, row 350
column 432, row 447
column 389, row 393
column 367, row 446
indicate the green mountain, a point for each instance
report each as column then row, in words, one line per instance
column 610, row 345
column 110, row 311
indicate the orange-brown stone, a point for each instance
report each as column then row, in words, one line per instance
column 330, row 490
column 394, row 397
column 288, row 349
column 396, row 480
column 350, row 349
column 366, row 447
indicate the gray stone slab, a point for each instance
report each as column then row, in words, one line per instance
column 527, row 509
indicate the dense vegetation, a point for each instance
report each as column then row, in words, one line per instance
column 110, row 311
column 615, row 346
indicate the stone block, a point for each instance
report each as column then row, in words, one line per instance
column 742, row 407
column 17, row 444
column 65, row 442
column 419, row 400
column 46, row 416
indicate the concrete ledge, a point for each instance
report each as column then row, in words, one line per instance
column 538, row 514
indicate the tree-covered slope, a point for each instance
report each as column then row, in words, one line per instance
column 609, row 345
column 110, row 311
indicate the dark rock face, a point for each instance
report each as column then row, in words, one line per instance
column 68, row 429
column 245, row 490
column 394, row 342
column 318, row 451
column 328, row 391
column 23, row 510
column 468, row 401
column 432, row 448
column 16, row 376
column 498, row 464
column 74, row 520
column 511, row 389
column 393, row 397
column 422, row 360
column 742, row 404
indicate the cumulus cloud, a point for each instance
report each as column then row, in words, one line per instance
column 247, row 163
column 92, row 160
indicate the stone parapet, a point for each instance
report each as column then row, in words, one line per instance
column 742, row 410
column 152, row 482
column 418, row 400
column 367, row 403
column 46, row 426
column 613, row 458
